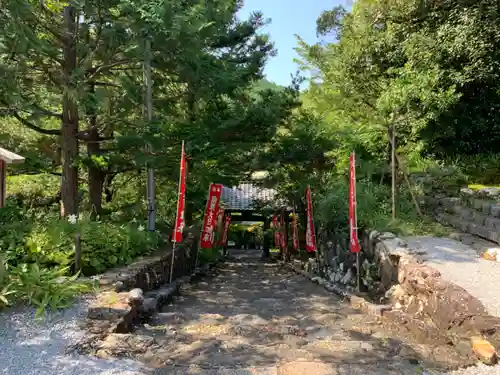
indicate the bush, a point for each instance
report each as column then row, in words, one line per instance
column 374, row 205
column 49, row 241
column 481, row 169
column 439, row 178
column 209, row 255
column 41, row 287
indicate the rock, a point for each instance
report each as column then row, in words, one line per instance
column 119, row 345
column 491, row 254
column 303, row 367
column 148, row 308
column 484, row 351
column 395, row 294
column 347, row 277
column 294, row 340
column 366, row 346
column 467, row 191
column 490, row 191
column 446, row 304
column 120, row 287
column 115, row 311
column 135, row 297
column 247, row 319
column 386, row 236
column 338, row 277
column 108, row 306
column 495, row 210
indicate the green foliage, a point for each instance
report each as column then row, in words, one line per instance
column 480, row 169
column 209, row 255
column 45, row 239
column 374, row 210
column 41, row 287
column 29, row 188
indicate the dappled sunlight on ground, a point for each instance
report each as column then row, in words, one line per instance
column 251, row 315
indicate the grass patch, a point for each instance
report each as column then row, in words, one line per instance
column 480, row 186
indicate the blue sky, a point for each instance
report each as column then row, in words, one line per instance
column 288, row 17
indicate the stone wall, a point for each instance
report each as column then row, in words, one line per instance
column 477, row 216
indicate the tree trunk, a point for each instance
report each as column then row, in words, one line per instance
column 267, row 238
column 69, row 126
column 96, row 176
column 108, row 190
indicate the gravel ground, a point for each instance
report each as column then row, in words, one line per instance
column 29, row 347
column 461, row 265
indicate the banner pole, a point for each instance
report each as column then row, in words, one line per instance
column 199, row 242
column 174, row 243
column 358, row 265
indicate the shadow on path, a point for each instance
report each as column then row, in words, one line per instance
column 249, row 317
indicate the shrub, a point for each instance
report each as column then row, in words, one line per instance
column 374, row 206
column 209, row 255
column 481, row 169
column 50, row 242
column 41, row 287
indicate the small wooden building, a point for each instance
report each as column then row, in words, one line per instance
column 6, row 157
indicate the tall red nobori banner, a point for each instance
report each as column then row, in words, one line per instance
column 295, row 236
column 277, row 234
column 181, row 200
column 353, row 230
column 310, row 235
column 210, row 220
column 223, row 240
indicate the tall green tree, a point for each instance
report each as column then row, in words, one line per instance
column 73, row 71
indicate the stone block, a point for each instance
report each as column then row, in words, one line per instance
column 449, row 202
column 116, row 310
column 486, row 208
column 484, row 232
column 483, row 350
column 148, row 309
column 492, row 222
column 495, row 210
column 463, row 212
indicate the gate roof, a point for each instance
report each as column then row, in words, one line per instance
column 248, row 197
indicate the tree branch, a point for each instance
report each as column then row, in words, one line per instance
column 85, row 136
column 29, row 124
column 95, row 71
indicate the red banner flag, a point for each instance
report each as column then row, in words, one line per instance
column 310, row 235
column 353, row 230
column 295, row 237
column 211, row 211
column 277, row 234
column 223, row 240
column 282, row 233
column 181, row 200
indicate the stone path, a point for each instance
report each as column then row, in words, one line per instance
column 460, row 264
column 255, row 318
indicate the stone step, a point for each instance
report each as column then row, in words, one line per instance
column 469, row 226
